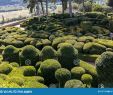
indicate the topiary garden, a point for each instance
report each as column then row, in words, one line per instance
column 64, row 51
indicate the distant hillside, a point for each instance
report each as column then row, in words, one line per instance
column 10, row 2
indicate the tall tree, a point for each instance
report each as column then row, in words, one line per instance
column 64, row 5
column 34, row 5
column 70, row 8
column 46, row 7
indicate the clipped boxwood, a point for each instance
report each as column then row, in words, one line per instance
column 73, row 83
column 29, row 71
column 11, row 54
column 79, row 46
column 94, row 48
column 62, row 75
column 104, row 65
column 87, row 79
column 29, row 55
column 90, row 69
column 86, row 26
column 68, row 56
column 77, row 72
column 5, row 68
column 48, row 68
column 48, row 53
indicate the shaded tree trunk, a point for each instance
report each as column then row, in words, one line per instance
column 47, row 7
column 42, row 7
column 70, row 8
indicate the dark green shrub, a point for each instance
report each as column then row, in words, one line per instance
column 28, row 40
column 14, row 64
column 77, row 72
column 48, row 68
column 29, row 71
column 29, row 55
column 104, row 64
column 70, row 21
column 100, row 31
column 73, row 84
column 87, row 79
column 11, row 54
column 86, row 26
column 68, row 56
column 18, row 44
column 48, row 53
column 62, row 75
column 94, row 48
column 5, row 68
column 97, row 15
column 46, row 42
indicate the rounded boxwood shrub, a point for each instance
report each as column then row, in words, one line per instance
column 14, row 64
column 77, row 72
column 11, row 54
column 48, row 53
column 87, row 79
column 73, row 83
column 48, row 68
column 29, row 71
column 104, row 66
column 29, row 55
column 94, row 48
column 62, row 75
column 68, row 56
column 5, row 68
